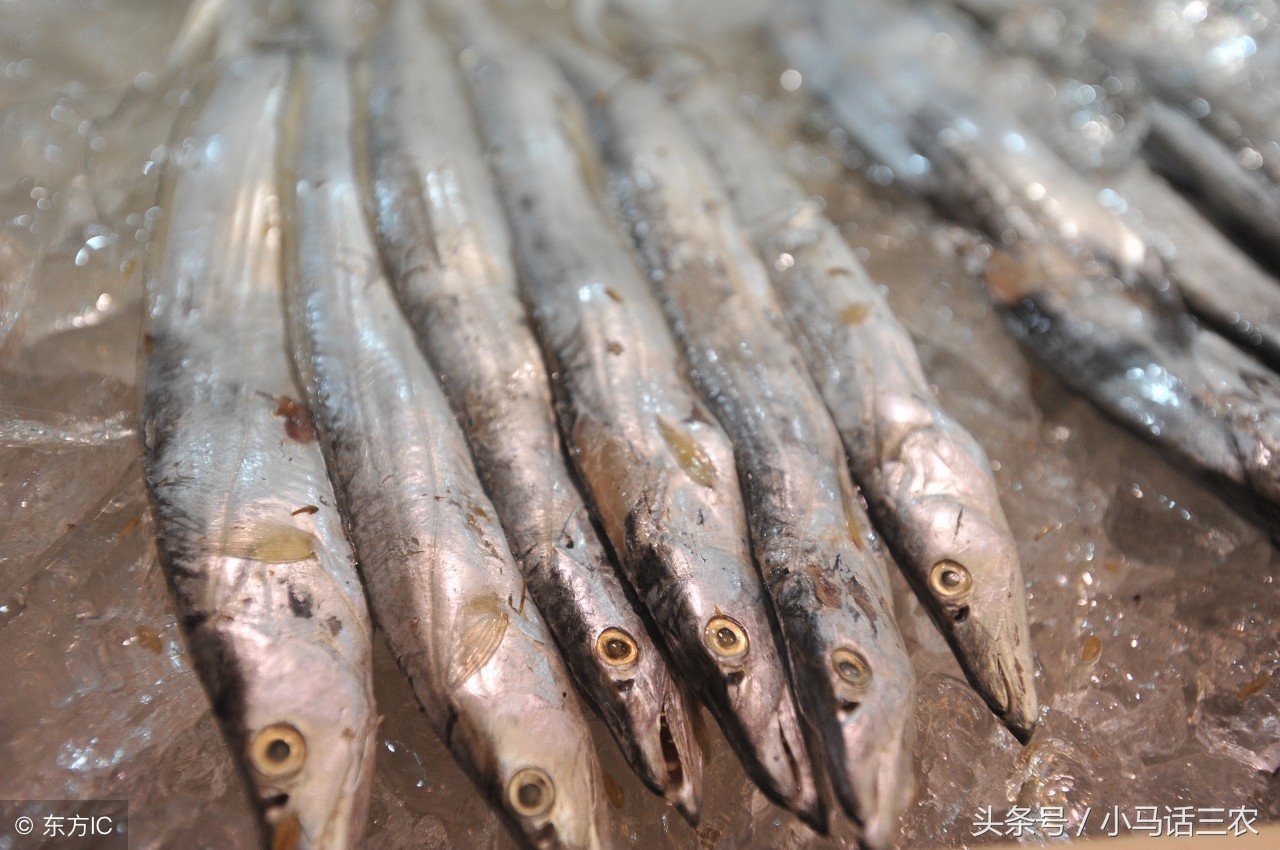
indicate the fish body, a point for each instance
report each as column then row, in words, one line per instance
column 436, row 565
column 1205, row 83
column 442, row 233
column 820, row 558
column 658, row 467
column 1081, row 290
column 1220, row 283
column 252, row 542
column 927, row 481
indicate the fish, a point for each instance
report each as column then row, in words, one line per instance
column 441, row 581
column 1082, row 291
column 1221, row 285
column 267, row 595
column 442, row 232
column 658, row 468
column 927, row 481
column 822, row 562
column 1204, row 83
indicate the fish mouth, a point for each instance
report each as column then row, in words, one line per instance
column 870, row 747
column 773, row 753
column 668, row 758
column 999, row 665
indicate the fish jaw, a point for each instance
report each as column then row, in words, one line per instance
column 315, row 796
column 672, row 756
column 779, row 762
column 654, row 716
column 745, row 687
column 864, row 731
column 984, row 615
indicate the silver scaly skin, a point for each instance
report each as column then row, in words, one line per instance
column 821, row 561
column 927, row 481
column 440, row 578
column 252, row 541
column 659, row 470
column 442, row 233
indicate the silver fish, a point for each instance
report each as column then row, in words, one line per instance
column 659, row 470
column 1219, row 282
column 253, row 545
column 1206, row 83
column 819, row 555
column 440, row 577
column 1084, row 293
column 926, row 479
column 441, row 231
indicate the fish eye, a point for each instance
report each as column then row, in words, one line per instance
column 278, row 751
column 531, row 792
column 950, row 581
column 852, row 668
column 617, row 648
column 726, row 638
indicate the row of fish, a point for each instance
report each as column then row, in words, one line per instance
column 1087, row 292
column 360, row 281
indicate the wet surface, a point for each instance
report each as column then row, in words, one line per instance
column 1154, row 609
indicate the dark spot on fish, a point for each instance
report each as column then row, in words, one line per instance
column 823, row 588
column 1253, row 686
column 1092, row 649
column 855, row 314
column 614, row 347
column 701, row 519
column 613, row 293
column 1137, row 597
column 834, row 270
column 305, row 509
column 129, row 527
column 1005, row 277
column 450, row 723
column 147, row 638
column 334, row 624
column 299, row 605
column 613, row 790
column 709, row 836
column 960, row 614
column 297, row 422
column 526, row 203
column 148, row 343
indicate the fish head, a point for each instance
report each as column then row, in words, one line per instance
column 973, row 587
column 752, row 701
column 857, row 686
column 309, row 725
column 656, row 714
column 543, row 773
